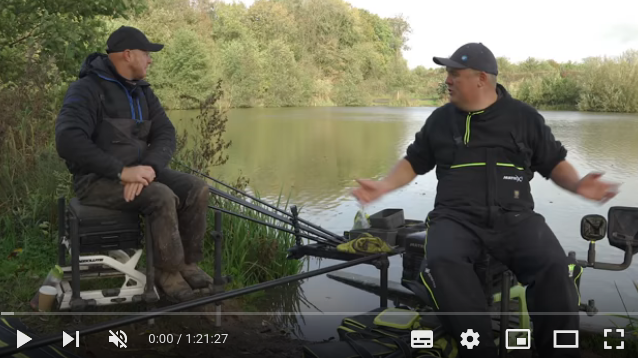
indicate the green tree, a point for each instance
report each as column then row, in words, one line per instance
column 184, row 67
column 61, row 32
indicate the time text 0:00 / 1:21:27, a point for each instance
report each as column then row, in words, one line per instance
column 176, row 338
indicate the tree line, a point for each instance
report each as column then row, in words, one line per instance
column 273, row 53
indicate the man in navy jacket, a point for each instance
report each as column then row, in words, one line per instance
column 117, row 142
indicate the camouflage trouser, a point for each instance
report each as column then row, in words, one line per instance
column 175, row 204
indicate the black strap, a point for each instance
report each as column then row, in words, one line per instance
column 519, row 135
column 456, row 133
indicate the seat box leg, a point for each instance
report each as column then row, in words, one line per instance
column 75, row 257
column 150, row 294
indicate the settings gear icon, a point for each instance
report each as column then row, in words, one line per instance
column 471, row 344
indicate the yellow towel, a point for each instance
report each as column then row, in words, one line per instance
column 366, row 244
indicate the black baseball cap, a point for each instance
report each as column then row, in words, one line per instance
column 130, row 38
column 472, row 55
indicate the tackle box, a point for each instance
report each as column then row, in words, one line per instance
column 387, row 219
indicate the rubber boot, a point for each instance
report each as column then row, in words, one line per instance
column 196, row 277
column 174, row 286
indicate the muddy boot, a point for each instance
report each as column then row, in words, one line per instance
column 174, row 286
column 196, row 277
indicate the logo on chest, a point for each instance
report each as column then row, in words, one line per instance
column 515, row 178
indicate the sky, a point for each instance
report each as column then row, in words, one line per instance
column 562, row 30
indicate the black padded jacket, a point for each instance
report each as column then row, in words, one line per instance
column 107, row 122
column 486, row 158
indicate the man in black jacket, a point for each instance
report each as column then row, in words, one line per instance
column 486, row 146
column 117, row 142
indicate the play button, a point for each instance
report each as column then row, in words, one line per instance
column 66, row 339
column 22, row 339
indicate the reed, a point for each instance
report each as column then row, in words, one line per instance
column 252, row 252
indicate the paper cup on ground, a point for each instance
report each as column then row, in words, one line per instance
column 47, row 296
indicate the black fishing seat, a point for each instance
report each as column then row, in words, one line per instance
column 99, row 229
column 115, row 240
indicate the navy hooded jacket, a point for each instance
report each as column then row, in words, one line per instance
column 100, row 94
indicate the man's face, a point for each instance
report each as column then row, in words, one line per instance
column 139, row 61
column 463, row 85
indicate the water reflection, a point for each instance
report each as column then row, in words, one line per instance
column 314, row 152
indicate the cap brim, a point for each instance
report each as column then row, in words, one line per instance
column 442, row 61
column 154, row 47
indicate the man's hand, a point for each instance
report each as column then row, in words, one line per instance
column 370, row 190
column 132, row 190
column 142, row 174
column 591, row 187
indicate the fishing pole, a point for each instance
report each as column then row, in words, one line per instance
column 277, row 227
column 328, row 232
column 271, row 214
column 143, row 316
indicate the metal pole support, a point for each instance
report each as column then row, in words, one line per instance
column 295, row 224
column 218, row 286
column 505, row 309
column 149, row 290
column 61, row 231
column 383, row 265
column 75, row 257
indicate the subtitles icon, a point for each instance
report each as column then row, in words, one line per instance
column 568, row 338
column 622, row 335
column 118, row 339
column 422, row 339
column 522, row 339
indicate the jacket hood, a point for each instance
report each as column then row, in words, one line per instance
column 95, row 63
column 99, row 64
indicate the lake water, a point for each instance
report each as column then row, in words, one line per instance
column 316, row 153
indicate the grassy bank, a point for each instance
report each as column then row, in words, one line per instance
column 33, row 177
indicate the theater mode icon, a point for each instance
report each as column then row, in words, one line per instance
column 422, row 339
column 523, row 338
column 569, row 338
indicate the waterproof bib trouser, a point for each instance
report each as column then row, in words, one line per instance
column 484, row 204
column 175, row 203
column 487, row 175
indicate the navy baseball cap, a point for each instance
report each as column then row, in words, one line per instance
column 130, row 38
column 472, row 55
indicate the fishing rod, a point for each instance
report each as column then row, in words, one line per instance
column 277, row 227
column 7, row 351
column 273, row 215
column 328, row 232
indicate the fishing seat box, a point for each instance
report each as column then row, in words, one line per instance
column 101, row 229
